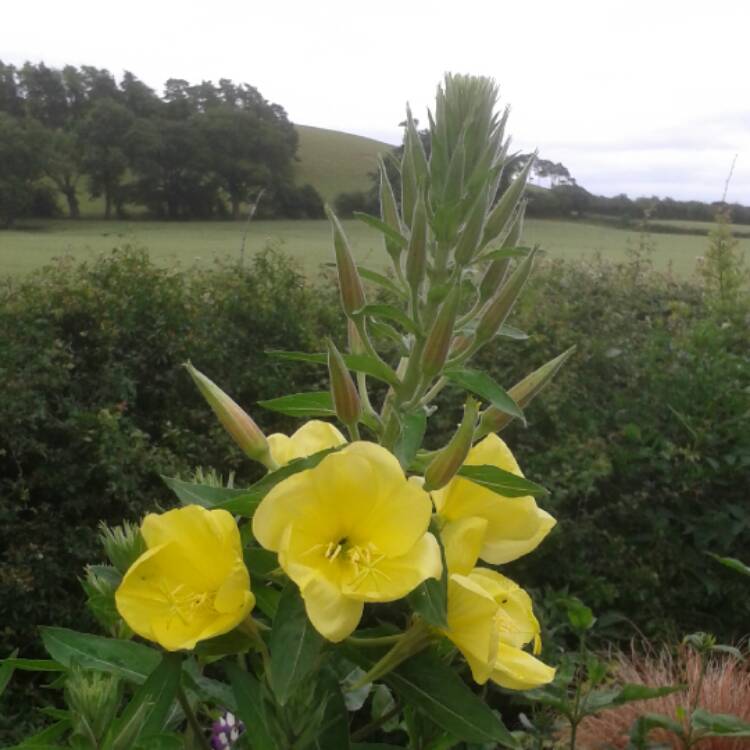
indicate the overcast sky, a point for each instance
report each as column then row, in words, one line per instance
column 637, row 97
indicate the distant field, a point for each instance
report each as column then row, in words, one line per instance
column 335, row 162
column 699, row 225
column 36, row 243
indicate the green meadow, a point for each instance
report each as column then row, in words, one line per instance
column 35, row 243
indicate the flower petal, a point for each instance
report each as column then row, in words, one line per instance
column 462, row 540
column 386, row 579
column 519, row 670
column 312, row 437
column 332, row 614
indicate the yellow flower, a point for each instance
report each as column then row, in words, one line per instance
column 312, row 437
column 191, row 583
column 490, row 620
column 479, row 522
column 349, row 531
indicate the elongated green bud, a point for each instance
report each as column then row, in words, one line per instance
column 499, row 307
column 506, row 206
column 389, row 212
column 343, row 391
column 416, row 254
column 413, row 169
column 523, row 393
column 122, row 544
column 460, row 343
column 350, row 283
column 356, row 346
column 439, row 338
column 497, row 270
column 449, row 460
column 235, row 420
column 468, row 241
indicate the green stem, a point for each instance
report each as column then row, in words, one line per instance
column 192, row 719
column 696, row 699
column 353, row 430
column 575, row 718
column 368, row 729
column 385, row 640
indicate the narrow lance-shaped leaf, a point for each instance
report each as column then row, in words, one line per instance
column 295, row 645
column 734, row 564
column 357, row 362
column 382, row 281
column 482, row 385
column 313, row 404
column 389, row 214
column 393, row 237
column 497, row 270
column 502, row 482
column 523, row 393
column 468, row 241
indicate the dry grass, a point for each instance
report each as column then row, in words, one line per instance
column 726, row 690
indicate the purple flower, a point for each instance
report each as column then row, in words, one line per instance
column 225, row 731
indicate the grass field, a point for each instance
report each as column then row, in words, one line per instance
column 36, row 243
column 335, row 162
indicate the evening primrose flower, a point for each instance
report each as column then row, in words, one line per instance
column 349, row 531
column 512, row 526
column 191, row 582
column 312, row 437
column 490, row 620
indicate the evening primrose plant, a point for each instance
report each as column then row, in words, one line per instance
column 360, row 571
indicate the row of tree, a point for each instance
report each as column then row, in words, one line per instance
column 194, row 151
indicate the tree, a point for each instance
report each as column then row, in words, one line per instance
column 103, row 133
column 44, row 95
column 63, row 164
column 20, row 166
column 11, row 100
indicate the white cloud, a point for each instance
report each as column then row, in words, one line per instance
column 658, row 83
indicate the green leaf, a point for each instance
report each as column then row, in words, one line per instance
column 334, row 727
column 392, row 313
column 580, row 616
column 157, row 693
column 511, row 332
column 413, row 427
column 357, row 362
column 6, row 671
column 295, row 645
column 644, row 724
column 375, row 746
column 482, row 385
column 46, row 738
column 389, row 232
column 260, row 562
column 267, row 599
column 33, row 665
column 380, row 280
column 251, row 708
column 506, row 252
column 719, row 725
column 433, row 687
column 429, row 600
column 502, row 482
column 603, row 699
column 312, row 404
column 233, row 642
column 129, row 660
column 734, row 564
column 189, row 493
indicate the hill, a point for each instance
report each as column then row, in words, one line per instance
column 335, row 162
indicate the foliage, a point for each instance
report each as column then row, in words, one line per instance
column 184, row 155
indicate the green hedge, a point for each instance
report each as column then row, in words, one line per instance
column 644, row 440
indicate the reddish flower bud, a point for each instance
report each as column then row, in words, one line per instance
column 343, row 391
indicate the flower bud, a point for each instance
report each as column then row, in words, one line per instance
column 439, row 339
column 495, row 274
column 471, row 234
column 350, row 283
column 389, row 212
column 235, row 420
column 460, row 344
column 416, row 254
column 356, row 345
column 499, row 307
column 122, row 544
column 92, row 698
column 449, row 460
column 523, row 392
column 505, row 207
column 343, row 391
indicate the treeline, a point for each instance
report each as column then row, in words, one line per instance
column 196, row 151
column 564, row 198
